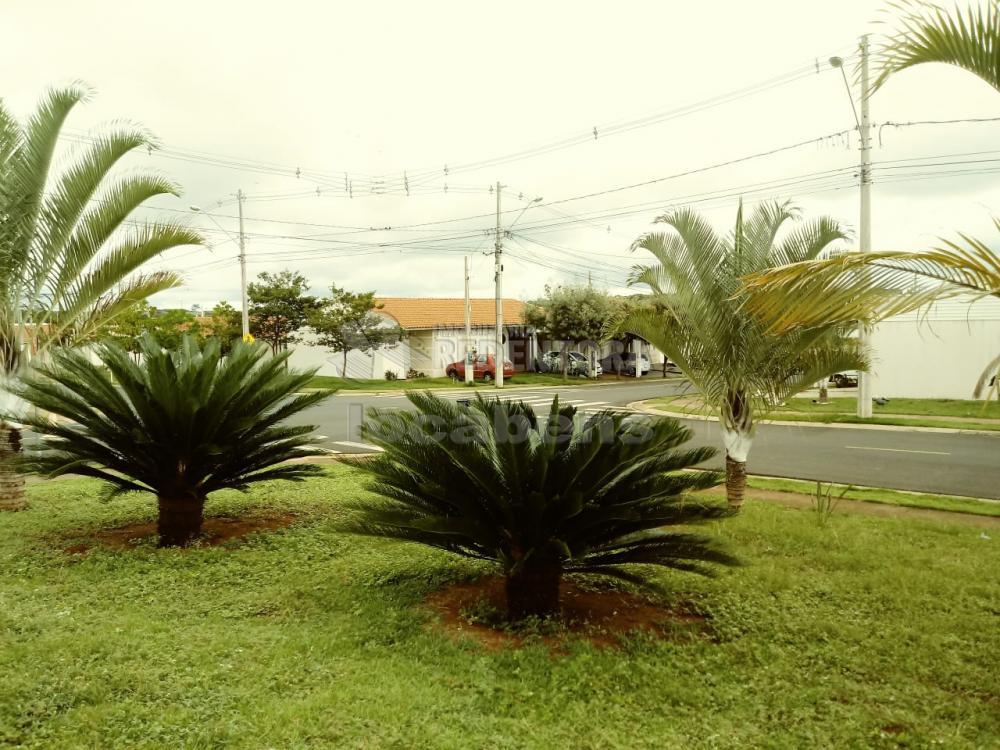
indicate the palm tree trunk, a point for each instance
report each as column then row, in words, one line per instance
column 11, row 480
column 736, row 481
column 533, row 591
column 179, row 520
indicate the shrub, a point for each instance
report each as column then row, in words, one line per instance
column 414, row 373
column 391, row 375
column 181, row 425
column 539, row 497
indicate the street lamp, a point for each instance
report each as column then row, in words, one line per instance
column 864, row 409
column 241, row 242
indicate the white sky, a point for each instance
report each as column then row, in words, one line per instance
column 377, row 88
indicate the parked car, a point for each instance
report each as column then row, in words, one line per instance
column 483, row 368
column 626, row 363
column 844, row 379
column 578, row 364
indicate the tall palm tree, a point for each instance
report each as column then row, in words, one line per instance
column 69, row 253
column 874, row 286
column 697, row 318
column 927, row 33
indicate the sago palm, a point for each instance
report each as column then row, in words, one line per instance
column 70, row 255
column 539, row 497
column 181, row 425
column 697, row 318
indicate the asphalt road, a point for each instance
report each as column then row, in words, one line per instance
column 946, row 463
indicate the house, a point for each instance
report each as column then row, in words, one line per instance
column 936, row 352
column 434, row 337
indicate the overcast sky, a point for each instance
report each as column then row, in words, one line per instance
column 363, row 93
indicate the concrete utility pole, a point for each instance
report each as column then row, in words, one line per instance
column 243, row 268
column 498, row 356
column 865, row 235
column 469, row 364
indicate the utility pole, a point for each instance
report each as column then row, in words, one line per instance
column 469, row 364
column 865, row 236
column 243, row 268
column 498, row 358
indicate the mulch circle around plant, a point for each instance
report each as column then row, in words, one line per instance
column 215, row 531
column 601, row 616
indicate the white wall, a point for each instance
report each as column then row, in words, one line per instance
column 308, row 354
column 940, row 355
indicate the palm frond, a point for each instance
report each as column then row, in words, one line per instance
column 928, row 33
column 871, row 286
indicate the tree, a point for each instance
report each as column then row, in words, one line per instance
column 226, row 324
column 873, row 286
column 279, row 307
column 185, row 423
column 347, row 320
column 167, row 327
column 928, row 34
column 70, row 253
column 700, row 322
column 571, row 314
column 541, row 498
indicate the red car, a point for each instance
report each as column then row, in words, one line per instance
column 483, row 368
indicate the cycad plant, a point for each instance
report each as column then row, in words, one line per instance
column 70, row 253
column 696, row 316
column 539, row 497
column 180, row 425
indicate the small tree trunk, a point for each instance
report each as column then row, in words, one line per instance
column 736, row 481
column 343, row 373
column 179, row 521
column 533, row 591
column 11, row 480
column 824, row 394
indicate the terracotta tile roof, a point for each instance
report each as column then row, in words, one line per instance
column 421, row 313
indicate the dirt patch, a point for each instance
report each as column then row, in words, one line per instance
column 215, row 531
column 476, row 609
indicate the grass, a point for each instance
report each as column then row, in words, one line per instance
column 872, row 632
column 953, row 503
column 926, row 412
column 521, row 378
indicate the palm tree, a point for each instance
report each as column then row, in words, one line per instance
column 541, row 498
column 182, row 425
column 697, row 318
column 928, row 34
column 874, row 286
column 69, row 252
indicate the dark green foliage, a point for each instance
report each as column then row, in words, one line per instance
column 540, row 497
column 182, row 424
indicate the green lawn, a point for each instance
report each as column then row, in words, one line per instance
column 870, row 632
column 521, row 378
column 953, row 503
column 842, row 411
column 937, row 407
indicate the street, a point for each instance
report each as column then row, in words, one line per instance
column 945, row 463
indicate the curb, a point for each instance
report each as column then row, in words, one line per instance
column 641, row 407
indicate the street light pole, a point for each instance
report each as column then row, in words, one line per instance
column 243, row 270
column 498, row 357
column 864, row 408
column 469, row 364
column 865, row 236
